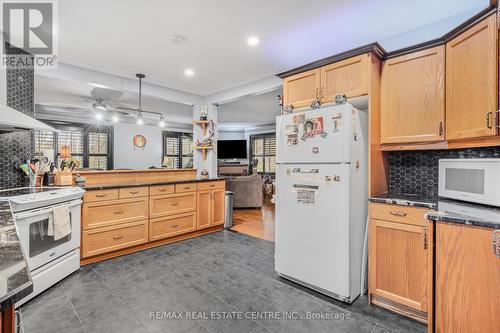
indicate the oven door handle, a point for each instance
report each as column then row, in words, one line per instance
column 26, row 215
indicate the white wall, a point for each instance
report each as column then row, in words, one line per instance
column 130, row 157
column 231, row 135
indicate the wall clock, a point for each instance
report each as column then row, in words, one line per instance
column 139, row 141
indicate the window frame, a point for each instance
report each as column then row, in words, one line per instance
column 86, row 129
column 180, row 155
column 263, row 136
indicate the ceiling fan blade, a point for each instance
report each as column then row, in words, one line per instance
column 105, row 94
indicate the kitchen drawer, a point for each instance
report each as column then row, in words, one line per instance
column 161, row 189
column 398, row 213
column 171, row 226
column 133, row 192
column 211, row 185
column 100, row 195
column 101, row 214
column 172, row 204
column 107, row 239
column 190, row 187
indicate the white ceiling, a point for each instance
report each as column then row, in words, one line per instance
column 123, row 37
column 55, row 97
column 250, row 111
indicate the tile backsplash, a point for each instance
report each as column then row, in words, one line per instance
column 416, row 172
column 17, row 146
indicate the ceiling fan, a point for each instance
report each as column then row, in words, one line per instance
column 140, row 111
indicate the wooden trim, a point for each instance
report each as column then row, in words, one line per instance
column 452, row 144
column 8, row 320
column 415, row 146
column 445, row 38
column 382, row 54
column 398, row 299
column 150, row 245
column 399, row 308
column 374, row 48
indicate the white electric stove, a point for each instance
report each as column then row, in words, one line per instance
column 49, row 260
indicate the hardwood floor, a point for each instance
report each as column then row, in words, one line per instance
column 255, row 222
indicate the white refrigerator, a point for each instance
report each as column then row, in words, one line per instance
column 321, row 201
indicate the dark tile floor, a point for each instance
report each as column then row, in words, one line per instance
column 223, row 274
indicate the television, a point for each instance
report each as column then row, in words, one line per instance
column 229, row 149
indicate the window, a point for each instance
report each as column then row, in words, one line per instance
column 177, row 150
column 263, row 149
column 89, row 144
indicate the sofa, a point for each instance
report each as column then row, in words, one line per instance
column 247, row 190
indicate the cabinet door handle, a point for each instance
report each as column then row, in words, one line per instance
column 488, row 119
column 496, row 243
column 496, row 119
column 425, row 239
column 317, row 93
column 101, row 195
column 117, row 237
column 400, row 214
column 174, row 226
column 173, row 204
column 321, row 93
column 118, row 212
column 441, row 128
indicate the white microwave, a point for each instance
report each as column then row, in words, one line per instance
column 473, row 180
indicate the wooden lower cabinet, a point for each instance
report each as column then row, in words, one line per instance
column 467, row 280
column 210, row 208
column 169, row 226
column 119, row 221
column 107, row 239
column 172, row 204
column 106, row 213
column 401, row 260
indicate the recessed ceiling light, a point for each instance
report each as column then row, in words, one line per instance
column 177, row 39
column 99, row 116
column 253, row 41
column 189, row 72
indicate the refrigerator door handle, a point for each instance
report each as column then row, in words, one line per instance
column 298, row 170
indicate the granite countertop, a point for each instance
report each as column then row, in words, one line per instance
column 15, row 278
column 151, row 183
column 414, row 200
column 453, row 211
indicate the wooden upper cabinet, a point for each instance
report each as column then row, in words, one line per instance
column 413, row 97
column 349, row 77
column 467, row 280
column 471, row 82
column 302, row 89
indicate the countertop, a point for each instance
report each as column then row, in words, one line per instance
column 151, row 183
column 414, row 200
column 15, row 279
column 446, row 210
column 453, row 211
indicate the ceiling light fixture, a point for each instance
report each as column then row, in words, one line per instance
column 177, row 39
column 189, row 72
column 99, row 105
column 115, row 118
column 162, row 121
column 253, row 41
column 140, row 119
column 99, row 116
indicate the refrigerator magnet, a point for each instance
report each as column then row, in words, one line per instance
column 291, row 129
column 299, row 119
column 292, row 139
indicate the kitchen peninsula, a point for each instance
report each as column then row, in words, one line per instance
column 125, row 211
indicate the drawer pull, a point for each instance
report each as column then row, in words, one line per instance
column 187, row 187
column 117, row 237
column 118, row 212
column 133, row 192
column 174, row 226
column 162, row 190
column 398, row 214
column 212, row 185
column 173, row 204
column 101, row 195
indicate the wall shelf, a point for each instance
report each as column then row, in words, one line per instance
column 203, row 124
column 204, row 150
